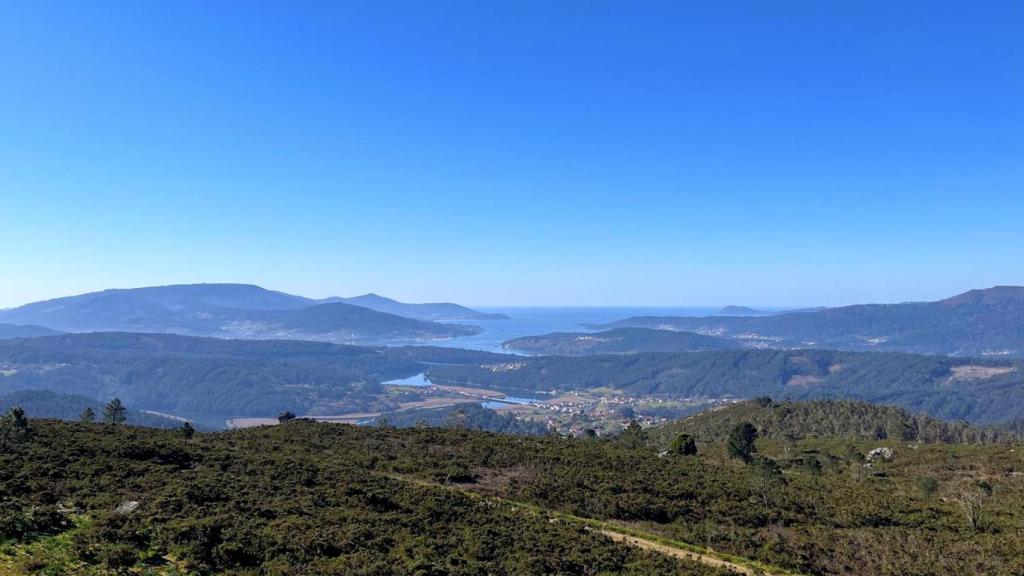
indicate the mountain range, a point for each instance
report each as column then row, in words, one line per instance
column 986, row 322
column 242, row 311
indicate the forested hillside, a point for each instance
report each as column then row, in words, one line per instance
column 470, row 416
column 427, row 311
column 849, row 419
column 620, row 341
column 977, row 390
column 46, row 404
column 188, row 375
column 24, row 331
column 308, row 498
column 975, row 323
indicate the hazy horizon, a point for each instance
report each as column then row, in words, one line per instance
column 497, row 306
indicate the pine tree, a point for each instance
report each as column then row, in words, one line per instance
column 19, row 421
column 115, row 412
column 634, row 435
column 88, row 415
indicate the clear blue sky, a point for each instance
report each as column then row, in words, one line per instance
column 700, row 153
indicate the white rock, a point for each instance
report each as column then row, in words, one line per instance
column 881, row 453
column 127, row 507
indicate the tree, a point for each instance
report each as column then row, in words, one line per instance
column 972, row 502
column 742, row 440
column 88, row 415
column 683, row 445
column 13, row 426
column 286, row 416
column 633, row 436
column 187, row 430
column 766, row 474
column 115, row 412
column 589, row 434
column 19, row 421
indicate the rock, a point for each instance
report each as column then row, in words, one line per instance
column 881, row 453
column 126, row 507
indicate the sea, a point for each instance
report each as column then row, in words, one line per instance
column 535, row 321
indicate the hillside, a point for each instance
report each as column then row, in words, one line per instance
column 620, row 341
column 977, row 323
column 977, row 390
column 336, row 322
column 207, row 376
column 307, row 498
column 23, row 331
column 789, row 420
column 226, row 311
column 429, row 311
column 46, row 404
column 469, row 416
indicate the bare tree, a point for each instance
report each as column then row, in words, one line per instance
column 972, row 501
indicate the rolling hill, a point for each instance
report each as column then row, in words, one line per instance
column 429, row 311
column 850, row 419
column 47, row 404
column 199, row 377
column 227, row 311
column 311, row 498
column 24, row 331
column 619, row 341
column 976, row 323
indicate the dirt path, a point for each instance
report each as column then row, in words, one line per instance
column 681, row 553
column 620, row 534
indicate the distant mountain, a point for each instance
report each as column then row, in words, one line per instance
column 23, row 331
column 742, row 311
column 227, row 311
column 435, row 311
column 619, row 341
column 336, row 322
column 47, row 404
column 850, row 419
column 977, row 323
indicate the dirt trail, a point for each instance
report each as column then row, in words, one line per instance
column 614, row 532
column 681, row 553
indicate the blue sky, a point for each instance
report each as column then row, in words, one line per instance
column 521, row 153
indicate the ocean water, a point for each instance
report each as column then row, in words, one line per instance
column 536, row 321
